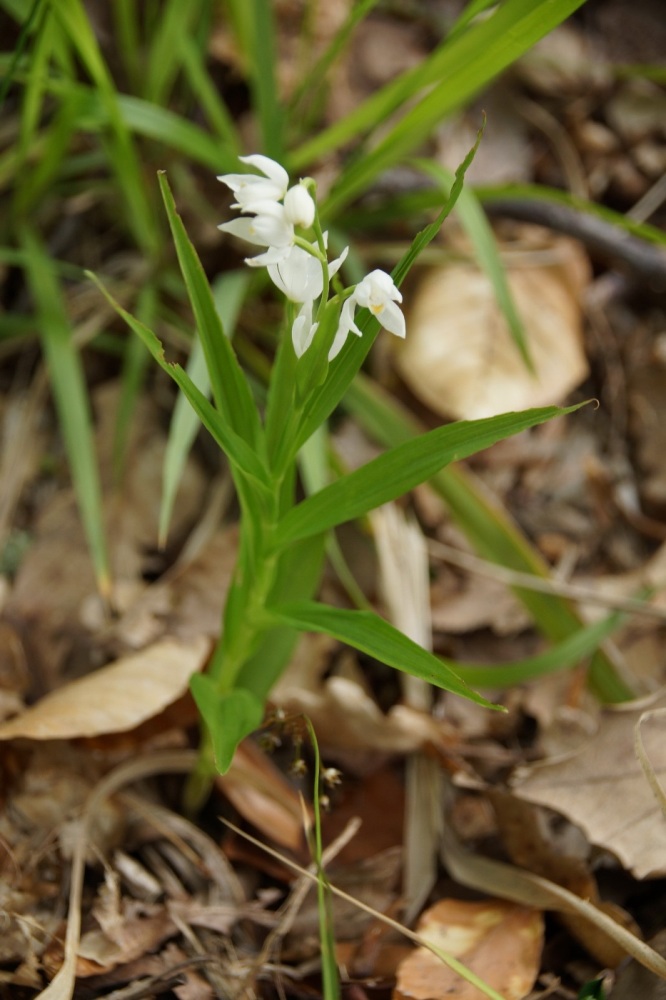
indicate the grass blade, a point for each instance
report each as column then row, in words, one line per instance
column 562, row 656
column 208, row 96
column 486, row 253
column 71, row 400
column 20, row 47
column 457, row 70
column 174, row 22
column 141, row 222
column 264, row 81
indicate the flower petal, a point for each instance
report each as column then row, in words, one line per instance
column 303, row 329
column 392, row 319
column 270, row 168
column 345, row 327
column 272, row 256
column 274, row 230
column 298, row 275
column 375, row 290
column 347, row 315
column 244, row 229
column 338, row 342
column 336, row 264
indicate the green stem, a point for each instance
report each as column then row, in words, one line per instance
column 240, row 634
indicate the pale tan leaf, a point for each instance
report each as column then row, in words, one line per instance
column 501, row 942
column 603, row 789
column 459, row 357
column 116, row 698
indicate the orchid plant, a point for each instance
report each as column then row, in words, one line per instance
column 281, row 537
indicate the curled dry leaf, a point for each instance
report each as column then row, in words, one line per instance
column 500, row 942
column 459, row 357
column 116, row 698
column 261, row 794
column 588, row 785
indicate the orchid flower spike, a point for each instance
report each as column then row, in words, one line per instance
column 271, row 212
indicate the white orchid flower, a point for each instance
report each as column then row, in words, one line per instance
column 303, row 329
column 250, row 189
column 299, row 275
column 378, row 294
column 375, row 292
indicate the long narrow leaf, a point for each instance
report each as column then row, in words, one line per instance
column 230, row 388
column 374, row 636
column 264, row 79
column 562, row 656
column 489, row 528
column 397, row 471
column 184, row 423
column 239, row 453
column 162, row 63
column 212, row 103
column 19, row 48
column 71, row 400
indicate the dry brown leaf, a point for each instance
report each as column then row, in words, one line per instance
column 187, row 599
column 459, row 357
column 116, row 698
column 261, row 794
column 602, row 788
column 479, row 602
column 500, row 942
column 98, row 952
column 49, row 605
column 530, row 845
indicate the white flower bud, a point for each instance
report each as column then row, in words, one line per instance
column 299, row 208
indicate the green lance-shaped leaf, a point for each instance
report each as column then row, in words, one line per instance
column 241, row 456
column 230, row 717
column 401, row 469
column 231, row 391
column 370, row 634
